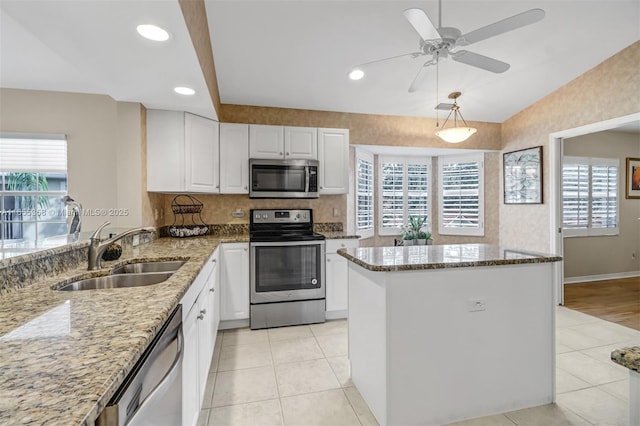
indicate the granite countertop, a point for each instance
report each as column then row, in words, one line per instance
column 414, row 258
column 338, row 235
column 627, row 357
column 64, row 354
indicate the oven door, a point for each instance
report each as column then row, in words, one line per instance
column 285, row 271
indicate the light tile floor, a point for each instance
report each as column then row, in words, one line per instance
column 300, row 376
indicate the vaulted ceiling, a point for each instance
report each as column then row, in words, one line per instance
column 297, row 54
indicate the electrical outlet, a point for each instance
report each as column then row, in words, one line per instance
column 477, row 305
column 335, row 212
column 136, row 240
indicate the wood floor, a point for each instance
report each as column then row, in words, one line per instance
column 612, row 300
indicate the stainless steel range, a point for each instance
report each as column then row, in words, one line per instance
column 287, row 269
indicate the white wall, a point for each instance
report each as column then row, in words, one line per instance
column 103, row 146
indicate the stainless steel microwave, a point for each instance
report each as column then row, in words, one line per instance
column 283, row 178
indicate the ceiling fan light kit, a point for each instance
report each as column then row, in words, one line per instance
column 455, row 134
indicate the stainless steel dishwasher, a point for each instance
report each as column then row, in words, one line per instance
column 152, row 393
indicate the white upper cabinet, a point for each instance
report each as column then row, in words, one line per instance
column 333, row 153
column 278, row 142
column 234, row 158
column 182, row 152
column 301, row 143
column 266, row 141
column 201, row 152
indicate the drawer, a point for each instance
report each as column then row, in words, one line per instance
column 333, row 246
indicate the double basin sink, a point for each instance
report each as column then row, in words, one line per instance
column 130, row 275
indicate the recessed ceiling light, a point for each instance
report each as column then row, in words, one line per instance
column 152, row 32
column 184, row 90
column 356, row 74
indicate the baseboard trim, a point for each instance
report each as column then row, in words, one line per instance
column 602, row 277
column 229, row 324
column 331, row 315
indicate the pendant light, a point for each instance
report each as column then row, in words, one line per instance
column 455, row 134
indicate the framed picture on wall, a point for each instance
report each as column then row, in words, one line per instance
column 633, row 178
column 522, row 171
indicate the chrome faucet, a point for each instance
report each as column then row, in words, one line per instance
column 97, row 247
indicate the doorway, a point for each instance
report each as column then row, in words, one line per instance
column 556, row 141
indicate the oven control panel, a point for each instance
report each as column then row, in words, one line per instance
column 281, row 216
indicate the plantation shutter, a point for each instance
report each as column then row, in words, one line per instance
column 364, row 193
column 417, row 195
column 589, row 196
column 461, row 197
column 392, row 200
column 604, row 192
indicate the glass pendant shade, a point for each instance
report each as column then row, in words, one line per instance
column 456, row 134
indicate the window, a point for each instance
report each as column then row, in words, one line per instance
column 461, row 182
column 404, row 191
column 589, row 196
column 33, row 180
column 364, row 194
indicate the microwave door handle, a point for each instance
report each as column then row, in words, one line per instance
column 306, row 173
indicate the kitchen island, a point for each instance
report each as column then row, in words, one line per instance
column 444, row 333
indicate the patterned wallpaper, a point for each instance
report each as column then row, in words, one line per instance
column 609, row 90
column 365, row 129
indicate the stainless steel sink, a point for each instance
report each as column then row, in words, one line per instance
column 117, row 281
column 162, row 266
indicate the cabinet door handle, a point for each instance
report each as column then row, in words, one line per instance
column 287, row 153
column 328, row 260
column 214, row 261
column 203, row 311
column 246, row 187
column 200, row 317
column 212, row 290
column 245, row 249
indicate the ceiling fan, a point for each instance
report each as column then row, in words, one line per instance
column 441, row 42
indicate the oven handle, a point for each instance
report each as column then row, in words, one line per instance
column 286, row 243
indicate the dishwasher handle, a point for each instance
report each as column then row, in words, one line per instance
column 173, row 371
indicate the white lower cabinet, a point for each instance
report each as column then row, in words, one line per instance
column 199, row 327
column 337, row 278
column 234, row 276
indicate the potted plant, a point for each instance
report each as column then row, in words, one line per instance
column 407, row 237
column 423, row 237
column 415, row 226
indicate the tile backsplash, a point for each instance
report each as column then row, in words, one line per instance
column 218, row 209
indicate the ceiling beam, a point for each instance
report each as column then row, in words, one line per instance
column 195, row 16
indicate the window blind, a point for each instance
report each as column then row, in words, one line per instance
column 33, row 154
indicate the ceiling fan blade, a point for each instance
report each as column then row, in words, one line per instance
column 480, row 61
column 508, row 24
column 444, row 107
column 422, row 24
column 422, row 74
column 413, row 54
